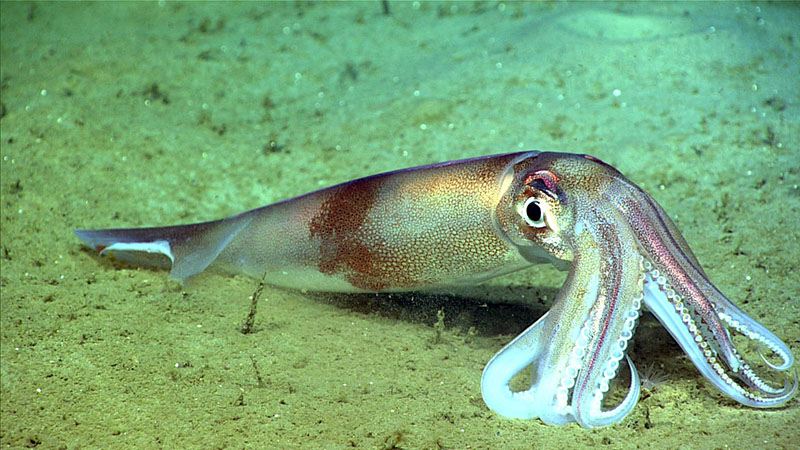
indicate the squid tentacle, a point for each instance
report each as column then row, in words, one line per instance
column 613, row 318
column 705, row 312
column 745, row 325
column 682, row 324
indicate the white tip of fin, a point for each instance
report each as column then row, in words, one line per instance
column 149, row 247
column 132, row 252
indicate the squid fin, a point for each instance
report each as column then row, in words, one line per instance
column 188, row 249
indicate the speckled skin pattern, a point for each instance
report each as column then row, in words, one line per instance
column 413, row 228
column 467, row 221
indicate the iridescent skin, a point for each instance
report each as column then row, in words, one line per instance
column 467, row 221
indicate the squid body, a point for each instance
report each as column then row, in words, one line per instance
column 466, row 221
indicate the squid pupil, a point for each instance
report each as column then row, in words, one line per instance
column 534, row 212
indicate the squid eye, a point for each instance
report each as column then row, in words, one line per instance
column 533, row 214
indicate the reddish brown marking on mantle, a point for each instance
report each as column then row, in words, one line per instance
column 344, row 246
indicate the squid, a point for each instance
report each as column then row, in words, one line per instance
column 463, row 222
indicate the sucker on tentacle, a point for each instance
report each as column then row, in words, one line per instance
column 762, row 394
column 467, row 221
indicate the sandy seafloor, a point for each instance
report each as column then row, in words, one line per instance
column 136, row 114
